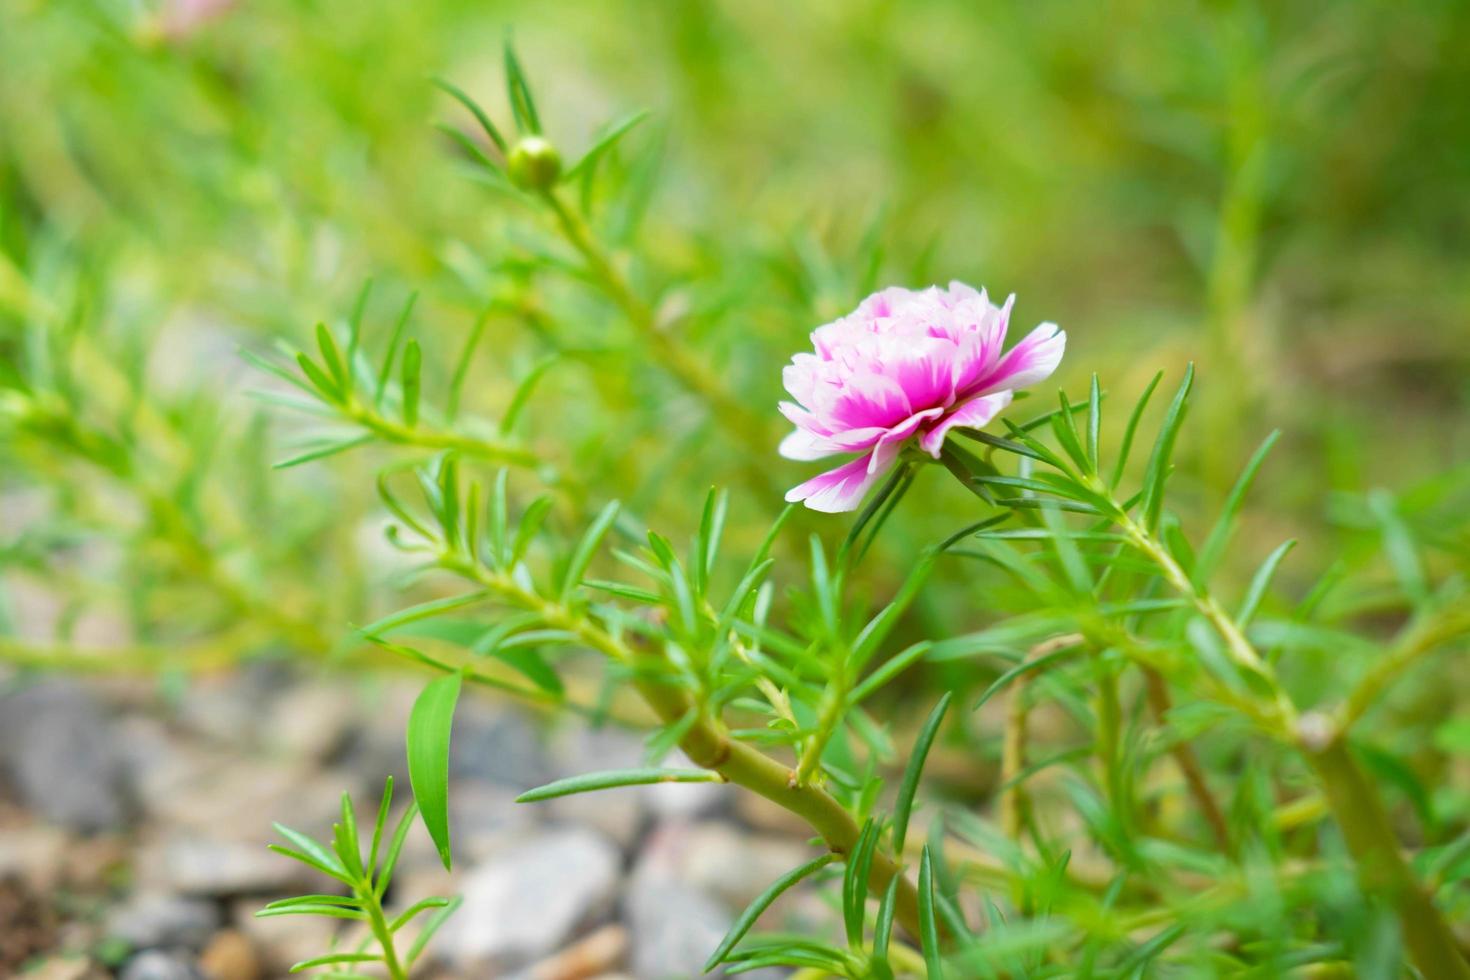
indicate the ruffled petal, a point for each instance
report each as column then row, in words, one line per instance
column 972, row 414
column 867, row 400
column 843, row 488
column 1032, row 360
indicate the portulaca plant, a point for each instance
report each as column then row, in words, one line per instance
column 764, row 669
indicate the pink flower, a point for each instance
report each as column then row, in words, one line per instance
column 904, row 365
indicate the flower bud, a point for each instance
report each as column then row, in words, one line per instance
column 534, row 164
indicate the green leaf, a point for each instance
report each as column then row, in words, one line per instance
column 332, row 357
column 412, row 382
column 1159, row 462
column 431, row 927
column 855, row 883
column 386, row 371
column 335, row 958
column 1094, row 423
column 762, row 902
column 890, row 669
column 474, row 108
column 423, row 905
column 904, row 805
column 1214, row 546
column 591, row 782
column 429, row 726
column 1131, row 430
column 424, row 610
column 928, row 925
column 312, row 849
column 462, row 365
column 323, row 451
column 379, row 826
column 1026, row 667
column 326, row 387
column 1261, row 581
column 521, row 103
column 395, row 847
column 523, row 392
column 586, row 549
column 605, row 142
column 883, row 925
column 529, row 527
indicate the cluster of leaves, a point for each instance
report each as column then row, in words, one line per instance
column 364, row 889
column 1120, row 617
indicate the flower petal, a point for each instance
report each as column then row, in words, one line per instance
column 1032, row 360
column 972, row 414
column 843, row 489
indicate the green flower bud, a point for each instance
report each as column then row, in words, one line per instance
column 534, row 164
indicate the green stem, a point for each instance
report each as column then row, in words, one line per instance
column 688, row 370
column 709, row 746
column 378, row 923
column 391, row 431
column 1371, row 840
column 1418, row 643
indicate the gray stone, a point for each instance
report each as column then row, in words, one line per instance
column 196, row 865
column 496, row 743
column 61, row 754
column 157, row 964
column 310, row 721
column 530, row 900
column 675, row 926
column 152, row 920
column 735, row 865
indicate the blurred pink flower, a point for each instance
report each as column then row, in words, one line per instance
column 905, row 365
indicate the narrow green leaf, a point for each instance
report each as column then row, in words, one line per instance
column 326, row 387
column 379, row 825
column 1094, row 423
column 1131, row 430
column 412, row 381
column 424, row 610
column 1261, row 581
column 1159, row 462
column 1026, row 667
column 1214, row 546
column 323, row 451
column 592, row 782
column 928, row 924
column 429, row 726
column 523, row 392
column 462, row 365
column 762, row 902
column 474, row 109
column 335, row 958
column 521, row 102
column 883, row 925
column 332, row 357
column 331, row 870
column 890, row 669
column 855, row 883
column 605, row 142
column 431, row 927
column 386, row 371
column 348, row 848
column 907, row 789
column 586, row 549
column 395, row 847
column 529, row 527
column 407, row 916
column 311, row 848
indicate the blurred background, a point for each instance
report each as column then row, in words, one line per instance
column 1278, row 192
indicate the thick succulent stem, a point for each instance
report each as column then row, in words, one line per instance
column 1371, row 840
